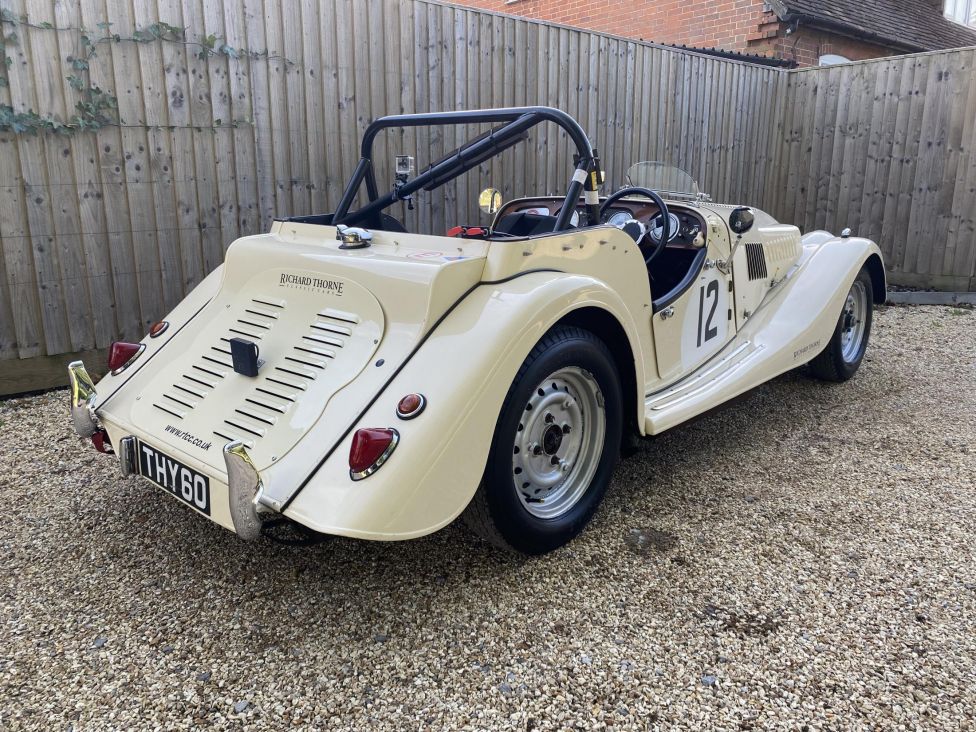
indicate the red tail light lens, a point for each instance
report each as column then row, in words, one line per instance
column 101, row 442
column 371, row 447
column 121, row 354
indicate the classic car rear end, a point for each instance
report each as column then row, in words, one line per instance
column 497, row 371
column 328, row 325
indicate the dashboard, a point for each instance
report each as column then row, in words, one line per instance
column 686, row 230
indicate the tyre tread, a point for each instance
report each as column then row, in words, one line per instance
column 477, row 515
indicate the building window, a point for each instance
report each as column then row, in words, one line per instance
column 831, row 59
column 961, row 11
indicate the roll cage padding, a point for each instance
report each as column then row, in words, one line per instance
column 518, row 120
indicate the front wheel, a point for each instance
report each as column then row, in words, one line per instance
column 842, row 357
column 555, row 446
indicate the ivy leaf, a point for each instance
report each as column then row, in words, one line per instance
column 103, row 25
column 46, row 25
column 75, row 82
column 79, row 64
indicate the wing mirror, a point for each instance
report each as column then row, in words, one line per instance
column 742, row 219
column 490, row 200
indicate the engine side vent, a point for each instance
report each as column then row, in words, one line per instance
column 756, row 262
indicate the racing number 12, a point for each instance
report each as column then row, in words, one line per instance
column 709, row 331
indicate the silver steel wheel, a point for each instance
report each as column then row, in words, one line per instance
column 853, row 325
column 559, row 442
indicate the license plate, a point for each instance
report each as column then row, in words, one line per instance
column 185, row 483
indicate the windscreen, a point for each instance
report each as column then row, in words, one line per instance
column 662, row 178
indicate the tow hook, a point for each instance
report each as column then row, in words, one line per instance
column 245, row 487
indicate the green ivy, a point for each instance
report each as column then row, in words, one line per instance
column 98, row 108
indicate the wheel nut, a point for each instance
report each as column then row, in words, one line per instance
column 563, row 465
column 566, row 428
column 549, row 418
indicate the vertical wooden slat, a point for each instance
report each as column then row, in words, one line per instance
column 101, row 232
column 242, row 115
column 110, row 161
column 158, row 158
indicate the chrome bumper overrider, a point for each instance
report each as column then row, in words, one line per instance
column 248, row 505
column 245, row 491
column 82, row 400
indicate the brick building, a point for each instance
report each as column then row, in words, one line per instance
column 799, row 32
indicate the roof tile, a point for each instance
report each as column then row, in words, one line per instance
column 915, row 25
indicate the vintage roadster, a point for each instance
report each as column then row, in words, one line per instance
column 361, row 380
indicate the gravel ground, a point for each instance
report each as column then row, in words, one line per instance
column 803, row 560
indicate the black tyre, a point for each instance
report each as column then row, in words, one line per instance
column 843, row 354
column 555, row 446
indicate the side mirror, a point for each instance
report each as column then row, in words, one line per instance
column 742, row 219
column 490, row 200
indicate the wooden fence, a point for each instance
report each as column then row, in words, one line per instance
column 256, row 111
column 888, row 148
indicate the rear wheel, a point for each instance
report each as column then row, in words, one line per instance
column 842, row 357
column 555, row 446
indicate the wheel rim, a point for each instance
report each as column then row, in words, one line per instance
column 853, row 322
column 558, row 442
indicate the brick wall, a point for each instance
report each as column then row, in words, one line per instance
column 743, row 26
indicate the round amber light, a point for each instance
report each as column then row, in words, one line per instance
column 410, row 406
column 158, row 329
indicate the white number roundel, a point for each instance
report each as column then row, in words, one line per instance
column 706, row 324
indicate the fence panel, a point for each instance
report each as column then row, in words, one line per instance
column 887, row 148
column 183, row 124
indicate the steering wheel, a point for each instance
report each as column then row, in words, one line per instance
column 661, row 241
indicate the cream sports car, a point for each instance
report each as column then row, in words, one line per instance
column 357, row 379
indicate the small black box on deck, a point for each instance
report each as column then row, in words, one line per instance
column 245, row 356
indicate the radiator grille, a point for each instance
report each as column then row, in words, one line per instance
column 756, row 262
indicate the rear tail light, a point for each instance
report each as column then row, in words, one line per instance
column 122, row 354
column 101, row 442
column 371, row 447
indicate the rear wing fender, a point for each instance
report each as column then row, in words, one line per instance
column 464, row 370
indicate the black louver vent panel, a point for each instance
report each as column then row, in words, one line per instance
column 756, row 262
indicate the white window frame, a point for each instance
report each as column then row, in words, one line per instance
column 961, row 11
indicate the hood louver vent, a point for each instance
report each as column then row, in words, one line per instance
column 282, row 385
column 310, row 346
column 756, row 262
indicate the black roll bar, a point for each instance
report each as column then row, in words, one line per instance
column 518, row 121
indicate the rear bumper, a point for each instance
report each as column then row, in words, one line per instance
column 235, row 496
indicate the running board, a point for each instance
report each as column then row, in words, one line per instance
column 716, row 382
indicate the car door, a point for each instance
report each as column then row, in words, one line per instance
column 696, row 325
